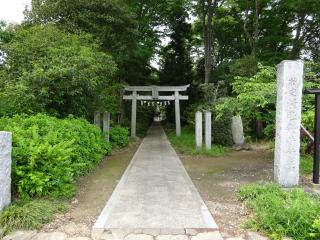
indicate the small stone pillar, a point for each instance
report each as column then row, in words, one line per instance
column 237, row 131
column 198, row 129
column 96, row 119
column 288, row 120
column 5, row 169
column 106, row 125
column 208, row 130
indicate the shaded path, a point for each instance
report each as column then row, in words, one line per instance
column 155, row 197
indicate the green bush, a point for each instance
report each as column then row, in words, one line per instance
column 221, row 129
column 282, row 213
column 119, row 136
column 54, row 72
column 29, row 215
column 49, row 153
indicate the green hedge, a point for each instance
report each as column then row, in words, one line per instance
column 50, row 153
column 119, row 136
column 221, row 129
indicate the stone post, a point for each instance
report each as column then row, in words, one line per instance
column 177, row 113
column 208, row 130
column 5, row 169
column 134, row 114
column 106, row 125
column 288, row 120
column 198, row 129
column 237, row 131
column 96, row 119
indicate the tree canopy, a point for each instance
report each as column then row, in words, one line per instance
column 74, row 56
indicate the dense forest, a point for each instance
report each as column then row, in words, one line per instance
column 74, row 57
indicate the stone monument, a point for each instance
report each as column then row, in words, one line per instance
column 288, row 120
column 5, row 169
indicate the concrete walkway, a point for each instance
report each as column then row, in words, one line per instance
column 155, row 199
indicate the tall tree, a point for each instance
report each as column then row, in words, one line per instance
column 176, row 61
column 206, row 11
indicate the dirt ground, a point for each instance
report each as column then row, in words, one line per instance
column 218, row 179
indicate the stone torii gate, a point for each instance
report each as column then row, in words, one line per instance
column 134, row 97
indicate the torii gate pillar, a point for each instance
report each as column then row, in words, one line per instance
column 177, row 113
column 134, row 115
column 176, row 97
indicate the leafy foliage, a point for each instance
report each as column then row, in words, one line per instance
column 49, row 153
column 221, row 129
column 119, row 136
column 47, row 70
column 281, row 213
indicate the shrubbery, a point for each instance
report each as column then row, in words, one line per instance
column 119, row 136
column 49, row 153
column 48, row 70
column 221, row 129
column 282, row 213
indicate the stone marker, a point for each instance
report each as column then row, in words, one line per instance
column 208, row 130
column 288, row 120
column 198, row 129
column 5, row 169
column 106, row 125
column 237, row 130
column 96, row 119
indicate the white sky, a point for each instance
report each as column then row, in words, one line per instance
column 12, row 10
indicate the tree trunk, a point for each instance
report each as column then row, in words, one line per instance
column 256, row 30
column 296, row 45
column 253, row 36
column 208, row 40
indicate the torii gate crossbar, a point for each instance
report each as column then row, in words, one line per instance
column 134, row 97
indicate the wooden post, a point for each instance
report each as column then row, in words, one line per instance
column 208, row 130
column 177, row 113
column 198, row 129
column 106, row 125
column 134, row 114
column 97, row 119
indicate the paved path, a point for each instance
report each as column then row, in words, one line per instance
column 155, row 197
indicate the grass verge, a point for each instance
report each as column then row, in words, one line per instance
column 186, row 144
column 306, row 164
column 281, row 213
column 30, row 215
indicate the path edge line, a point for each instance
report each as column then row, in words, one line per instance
column 102, row 219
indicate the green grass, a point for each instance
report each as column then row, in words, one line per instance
column 186, row 144
column 30, row 215
column 306, row 164
column 281, row 213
